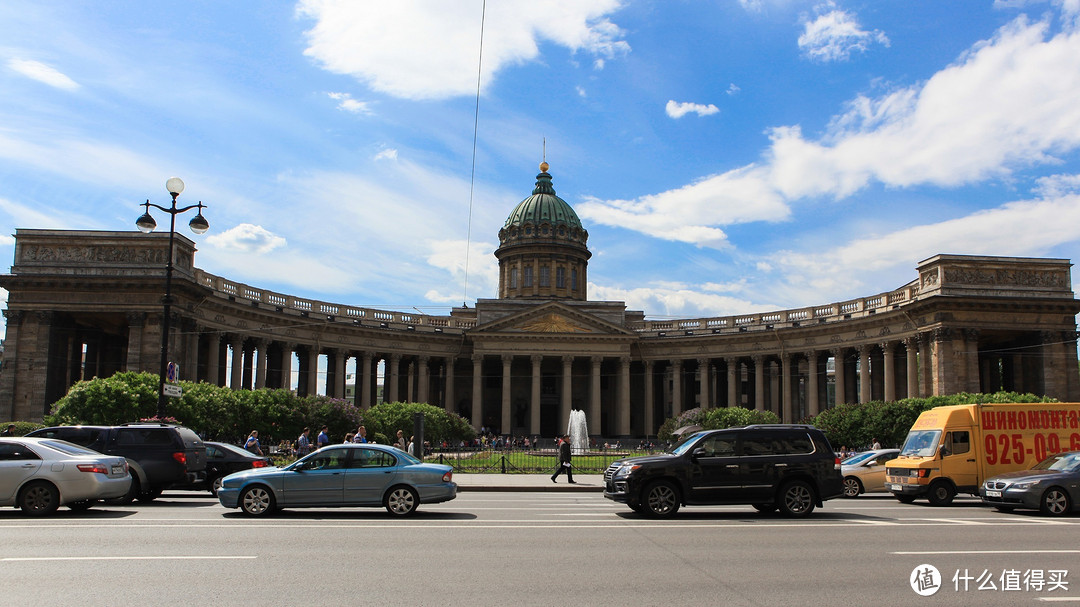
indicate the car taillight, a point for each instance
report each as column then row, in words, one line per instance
column 100, row 469
column 837, row 464
column 259, row 464
column 180, row 456
column 446, row 477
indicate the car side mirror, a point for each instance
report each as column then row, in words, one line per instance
column 871, row 464
column 944, row 451
column 699, row 452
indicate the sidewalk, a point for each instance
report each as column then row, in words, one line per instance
column 586, row 483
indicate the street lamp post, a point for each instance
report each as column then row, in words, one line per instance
column 146, row 224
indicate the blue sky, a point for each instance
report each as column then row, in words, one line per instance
column 726, row 156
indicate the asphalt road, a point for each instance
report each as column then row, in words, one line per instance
column 488, row 548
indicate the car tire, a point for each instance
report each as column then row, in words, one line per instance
column 661, row 499
column 765, row 508
column 39, row 499
column 257, row 500
column 637, row 508
column 905, row 499
column 81, row 505
column 941, row 493
column 127, row 498
column 215, row 486
column 852, row 487
column 796, row 499
column 401, row 501
column 1055, row 502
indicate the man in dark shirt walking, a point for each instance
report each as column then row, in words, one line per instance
column 564, row 461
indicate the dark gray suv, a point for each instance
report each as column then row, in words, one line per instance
column 158, row 454
column 770, row 466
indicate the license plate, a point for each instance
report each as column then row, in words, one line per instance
column 118, row 469
column 896, row 487
column 993, row 493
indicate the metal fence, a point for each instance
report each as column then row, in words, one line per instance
column 530, row 461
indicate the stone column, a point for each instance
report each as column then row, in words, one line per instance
column 890, row 371
column 759, row 382
column 864, row 374
column 788, row 411
column 236, row 342
column 340, row 357
column 595, row 420
column 703, row 383
column 213, row 358
column 363, row 374
column 944, row 376
column 262, row 347
column 10, row 366
column 839, row 376
column 506, row 423
column 911, row 344
column 650, row 400
column 534, row 395
column 676, row 387
column 395, row 369
column 313, row 371
column 813, row 389
column 477, row 391
column 623, row 402
column 448, row 398
column 189, row 370
column 136, row 322
column 732, row 365
column 971, row 352
column 286, row 365
column 566, row 401
column 423, row 392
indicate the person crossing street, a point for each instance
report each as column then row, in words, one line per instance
column 564, row 461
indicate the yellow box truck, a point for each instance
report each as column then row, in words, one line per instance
column 953, row 449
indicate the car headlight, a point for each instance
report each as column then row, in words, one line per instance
column 627, row 469
column 1023, row 486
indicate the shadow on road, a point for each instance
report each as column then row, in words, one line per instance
column 352, row 514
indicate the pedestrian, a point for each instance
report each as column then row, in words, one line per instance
column 412, row 446
column 252, row 443
column 303, row 444
column 401, row 443
column 348, row 438
column 361, row 435
column 323, row 440
column 564, row 462
column 10, row 431
column 876, row 444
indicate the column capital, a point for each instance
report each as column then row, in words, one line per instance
column 536, row 359
column 942, row 334
column 477, row 358
column 596, row 359
column 811, row 355
column 506, row 358
column 568, row 359
column 134, row 319
column 676, row 362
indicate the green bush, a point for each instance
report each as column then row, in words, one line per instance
column 384, row 420
column 715, row 418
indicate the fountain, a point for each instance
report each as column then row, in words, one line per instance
column 579, row 433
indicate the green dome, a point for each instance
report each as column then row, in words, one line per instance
column 543, row 206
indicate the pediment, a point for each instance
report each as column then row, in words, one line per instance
column 552, row 318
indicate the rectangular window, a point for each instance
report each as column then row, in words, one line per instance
column 573, row 280
column 513, row 278
column 545, row 276
column 560, row 277
column 528, row 277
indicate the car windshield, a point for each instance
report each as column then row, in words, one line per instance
column 858, row 458
column 69, row 448
column 1062, row 462
column 684, row 445
column 921, row 443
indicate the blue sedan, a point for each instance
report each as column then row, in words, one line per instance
column 341, row 475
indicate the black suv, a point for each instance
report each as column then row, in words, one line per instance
column 158, row 454
column 770, row 466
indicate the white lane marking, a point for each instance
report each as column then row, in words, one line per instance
column 944, row 552
column 960, row 521
column 120, row 558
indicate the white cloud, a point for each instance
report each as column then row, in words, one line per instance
column 45, row 74
column 347, row 103
column 834, row 35
column 676, row 301
column 247, row 238
column 421, row 49
column 580, row 91
column 1054, row 186
column 482, row 273
column 386, row 154
column 733, row 89
column 678, row 110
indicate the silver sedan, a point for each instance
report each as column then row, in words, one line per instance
column 865, row 472
column 41, row 474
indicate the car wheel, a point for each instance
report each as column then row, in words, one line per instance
column 764, row 508
column 852, row 487
column 796, row 499
column 82, row 505
column 215, row 486
column 127, row 498
column 1055, row 502
column 401, row 501
column 661, row 499
column 39, row 498
column 905, row 499
column 257, row 501
column 941, row 494
column 637, row 508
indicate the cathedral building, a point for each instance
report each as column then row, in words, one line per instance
column 88, row 303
